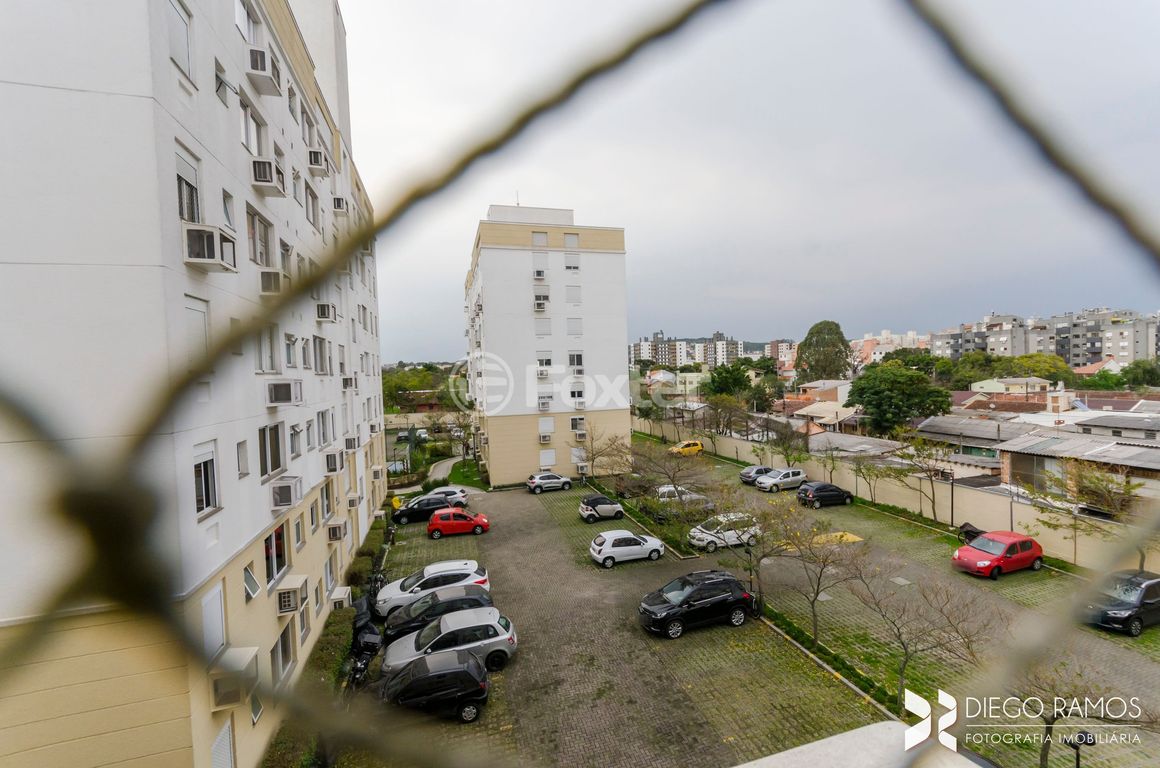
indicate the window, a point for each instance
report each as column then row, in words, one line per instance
column 1149, row 434
column 304, row 622
column 310, row 435
column 276, row 561
column 341, row 360
column 290, row 350
column 258, row 234
column 1117, row 433
column 548, row 457
column 318, row 597
column 575, row 359
column 326, row 498
column 255, row 707
column 540, row 238
column 577, row 392
column 292, row 102
column 285, row 254
column 572, row 262
column 246, row 22
column 312, row 208
column 571, row 240
column 576, row 422
column 188, row 206
column 228, row 209
column 572, row 294
column 220, row 86
column 306, row 359
column 240, row 349
column 213, row 622
column 328, row 572
column 313, row 516
column 251, row 129
column 179, row 36
column 243, row 459
column 321, row 360
column 299, row 532
column 270, row 449
column 543, row 326
column 267, row 350
column 296, row 185
column 295, row 441
column 196, row 329
column 307, row 128
column 204, row 478
column 575, row 326
column 282, row 655
column 251, row 582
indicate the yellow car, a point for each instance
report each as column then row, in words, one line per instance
column 687, row 448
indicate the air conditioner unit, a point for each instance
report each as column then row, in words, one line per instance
column 483, row 439
column 350, row 382
column 316, row 162
column 336, row 531
column 545, row 405
column 285, row 492
column 539, row 274
column 263, row 72
column 582, row 468
column 375, row 427
column 326, row 313
column 267, row 178
column 541, row 373
column 340, row 598
column 578, row 371
column 545, row 438
column 335, row 462
column 376, row 473
column 352, row 443
column 540, row 306
column 234, row 676
column 291, row 593
column 287, row 392
column 479, row 306
column 209, row 248
column 340, row 206
column 352, row 502
column 579, row 405
column 272, row 282
column 545, row 469
column 581, row 434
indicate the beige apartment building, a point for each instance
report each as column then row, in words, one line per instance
column 546, row 320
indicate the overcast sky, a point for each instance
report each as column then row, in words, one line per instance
column 777, row 164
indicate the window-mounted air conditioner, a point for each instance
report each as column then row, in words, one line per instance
column 352, row 443
column 545, row 437
column 374, row 427
column 350, row 382
column 579, row 405
column 266, row 178
column 316, row 162
column 340, row 206
column 545, row 405
column 234, row 676
column 272, row 282
column 335, row 462
column 352, row 502
column 285, row 492
column 581, row 434
column 541, row 373
column 336, row 531
column 286, row 392
column 539, row 274
column 208, row 247
column 326, row 313
column 291, row 594
column 263, row 72
column 539, row 306
column 340, row 598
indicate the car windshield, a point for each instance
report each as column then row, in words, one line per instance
column 505, row 623
column 400, row 681
column 416, row 608
column 710, row 525
column 677, row 590
column 599, row 541
column 1121, row 589
column 427, row 635
column 411, row 580
column 990, row 546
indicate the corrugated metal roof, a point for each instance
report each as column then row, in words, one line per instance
column 951, row 428
column 1123, row 421
column 1142, row 454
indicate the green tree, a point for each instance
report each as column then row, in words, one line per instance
column 1041, row 364
column 1141, row 373
column 891, row 395
column 919, row 359
column 761, row 395
column 1105, row 380
column 824, row 353
column 726, row 380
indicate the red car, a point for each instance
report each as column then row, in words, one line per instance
column 997, row 552
column 449, row 521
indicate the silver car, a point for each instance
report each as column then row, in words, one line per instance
column 548, row 481
column 780, row 479
column 456, row 494
column 482, row 631
column 612, row 547
column 751, row 473
column 445, row 573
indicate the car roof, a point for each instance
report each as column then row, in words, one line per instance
column 704, row 576
column 447, row 566
column 447, row 489
column 1137, row 577
column 469, row 618
column 616, row 532
column 1005, row 535
column 595, row 496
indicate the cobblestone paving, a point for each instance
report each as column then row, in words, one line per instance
column 589, row 687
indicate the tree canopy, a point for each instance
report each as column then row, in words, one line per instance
column 891, row 395
column 1141, row 373
column 824, row 353
column 729, row 379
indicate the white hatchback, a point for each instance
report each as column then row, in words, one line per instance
column 612, row 547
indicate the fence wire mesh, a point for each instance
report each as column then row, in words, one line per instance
column 114, row 508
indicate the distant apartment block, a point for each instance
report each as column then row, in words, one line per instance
column 719, row 349
column 182, row 163
column 546, row 317
column 872, row 348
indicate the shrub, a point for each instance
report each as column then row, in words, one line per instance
column 327, row 659
column 428, row 484
column 359, row 571
column 373, row 543
column 439, row 451
column 293, row 746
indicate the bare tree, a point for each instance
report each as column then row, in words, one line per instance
column 659, row 468
column 830, row 459
column 461, row 421
column 1084, row 497
column 605, row 454
column 1068, row 689
column 823, row 559
column 929, row 617
column 926, row 460
column 770, row 520
column 870, row 471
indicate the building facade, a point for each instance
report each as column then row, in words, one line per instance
column 195, row 161
column 546, row 317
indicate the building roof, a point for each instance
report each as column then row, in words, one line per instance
column 960, row 397
column 1106, row 404
column 1006, row 406
column 854, row 445
column 1023, row 380
column 824, row 384
column 1123, row 421
column 972, row 431
column 1093, row 368
column 1142, row 454
column 826, row 412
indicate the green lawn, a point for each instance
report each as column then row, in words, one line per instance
column 466, row 472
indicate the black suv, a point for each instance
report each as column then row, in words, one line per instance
column 419, row 508
column 1128, row 601
column 447, row 683
column 818, row 495
column 701, row 597
column 419, row 614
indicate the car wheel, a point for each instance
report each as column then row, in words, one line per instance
column 737, row 617
column 477, row 530
column 566, row 486
column 403, row 520
column 849, row 500
column 751, row 541
column 435, row 534
column 674, row 629
column 1135, row 627
column 459, row 504
column 590, row 519
column 617, row 515
column 1038, row 564
column 537, row 489
column 995, row 573
column 654, row 554
column 496, row 660
column 711, row 546
column 608, row 562
column 817, row 504
column 468, row 713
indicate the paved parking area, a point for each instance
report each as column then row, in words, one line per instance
column 590, row 688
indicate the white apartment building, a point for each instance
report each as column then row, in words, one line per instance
column 179, row 162
column 546, row 317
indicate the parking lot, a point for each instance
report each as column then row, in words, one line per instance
column 590, row 687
